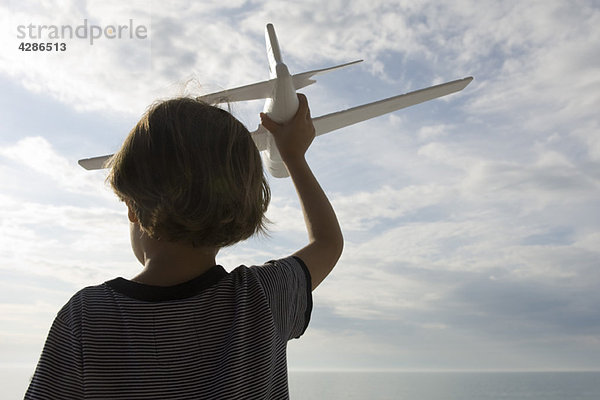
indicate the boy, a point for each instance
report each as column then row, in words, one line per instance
column 184, row 328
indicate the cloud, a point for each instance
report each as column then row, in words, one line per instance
column 197, row 39
column 66, row 242
column 38, row 154
column 63, row 219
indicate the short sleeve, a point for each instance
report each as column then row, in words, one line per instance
column 287, row 286
column 59, row 371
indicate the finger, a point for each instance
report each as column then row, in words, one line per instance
column 304, row 104
column 303, row 111
column 268, row 123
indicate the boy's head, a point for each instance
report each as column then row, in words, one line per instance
column 191, row 173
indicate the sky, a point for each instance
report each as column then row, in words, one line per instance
column 472, row 222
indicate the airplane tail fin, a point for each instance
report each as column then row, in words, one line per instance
column 273, row 50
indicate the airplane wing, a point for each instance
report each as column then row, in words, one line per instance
column 264, row 89
column 351, row 116
column 303, row 79
column 94, row 162
column 340, row 119
column 100, row 162
column 260, row 90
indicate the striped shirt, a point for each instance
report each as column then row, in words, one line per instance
column 219, row 336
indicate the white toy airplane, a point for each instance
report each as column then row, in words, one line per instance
column 282, row 103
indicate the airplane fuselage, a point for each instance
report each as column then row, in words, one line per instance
column 283, row 103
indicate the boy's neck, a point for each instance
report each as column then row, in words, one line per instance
column 172, row 273
column 170, row 263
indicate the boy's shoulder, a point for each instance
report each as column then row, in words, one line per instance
column 288, row 270
column 84, row 295
column 280, row 272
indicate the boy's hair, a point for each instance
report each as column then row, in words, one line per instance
column 192, row 174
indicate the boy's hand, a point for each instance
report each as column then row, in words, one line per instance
column 294, row 137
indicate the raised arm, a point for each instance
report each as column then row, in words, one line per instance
column 325, row 241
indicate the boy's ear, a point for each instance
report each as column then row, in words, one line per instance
column 131, row 214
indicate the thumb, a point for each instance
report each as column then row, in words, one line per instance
column 268, row 123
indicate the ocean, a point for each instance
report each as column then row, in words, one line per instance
column 445, row 385
column 406, row 385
